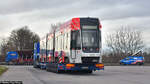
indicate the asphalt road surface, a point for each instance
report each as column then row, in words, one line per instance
column 111, row 75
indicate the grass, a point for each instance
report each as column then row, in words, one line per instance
column 3, row 69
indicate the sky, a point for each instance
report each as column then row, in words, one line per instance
column 38, row 15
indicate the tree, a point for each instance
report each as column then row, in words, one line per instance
column 20, row 39
column 23, row 38
column 125, row 40
column 55, row 26
column 4, row 46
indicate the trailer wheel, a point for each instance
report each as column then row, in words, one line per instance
column 87, row 71
column 34, row 65
column 47, row 69
column 58, row 71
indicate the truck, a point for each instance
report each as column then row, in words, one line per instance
column 135, row 59
column 74, row 46
column 132, row 60
column 19, row 57
column 11, row 56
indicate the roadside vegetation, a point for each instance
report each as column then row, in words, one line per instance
column 122, row 43
column 3, row 69
column 20, row 39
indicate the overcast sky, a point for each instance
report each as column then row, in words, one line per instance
column 39, row 14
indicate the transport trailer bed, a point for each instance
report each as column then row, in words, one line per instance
column 57, row 67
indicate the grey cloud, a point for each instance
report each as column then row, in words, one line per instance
column 16, row 6
column 124, row 10
column 107, row 9
column 39, row 14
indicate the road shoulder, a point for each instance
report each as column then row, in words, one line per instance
column 3, row 69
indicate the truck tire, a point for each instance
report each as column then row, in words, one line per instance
column 138, row 63
column 47, row 69
column 122, row 64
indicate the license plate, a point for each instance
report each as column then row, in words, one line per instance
column 94, row 61
column 92, row 54
column 85, row 67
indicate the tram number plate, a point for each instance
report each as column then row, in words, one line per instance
column 92, row 54
column 84, row 67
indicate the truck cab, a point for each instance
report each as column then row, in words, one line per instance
column 135, row 60
column 11, row 57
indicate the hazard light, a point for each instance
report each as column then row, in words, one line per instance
column 100, row 65
column 70, row 65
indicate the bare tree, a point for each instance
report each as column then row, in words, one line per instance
column 4, row 46
column 19, row 39
column 125, row 40
column 23, row 38
column 54, row 27
column 147, row 50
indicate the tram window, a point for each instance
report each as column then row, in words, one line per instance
column 56, row 43
column 75, row 40
column 67, row 41
column 78, row 40
column 63, row 41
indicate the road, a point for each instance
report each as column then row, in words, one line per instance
column 111, row 75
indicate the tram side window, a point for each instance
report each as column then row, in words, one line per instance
column 59, row 43
column 78, row 40
column 100, row 39
column 56, row 43
column 63, row 41
column 66, row 41
column 50, row 44
column 75, row 40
